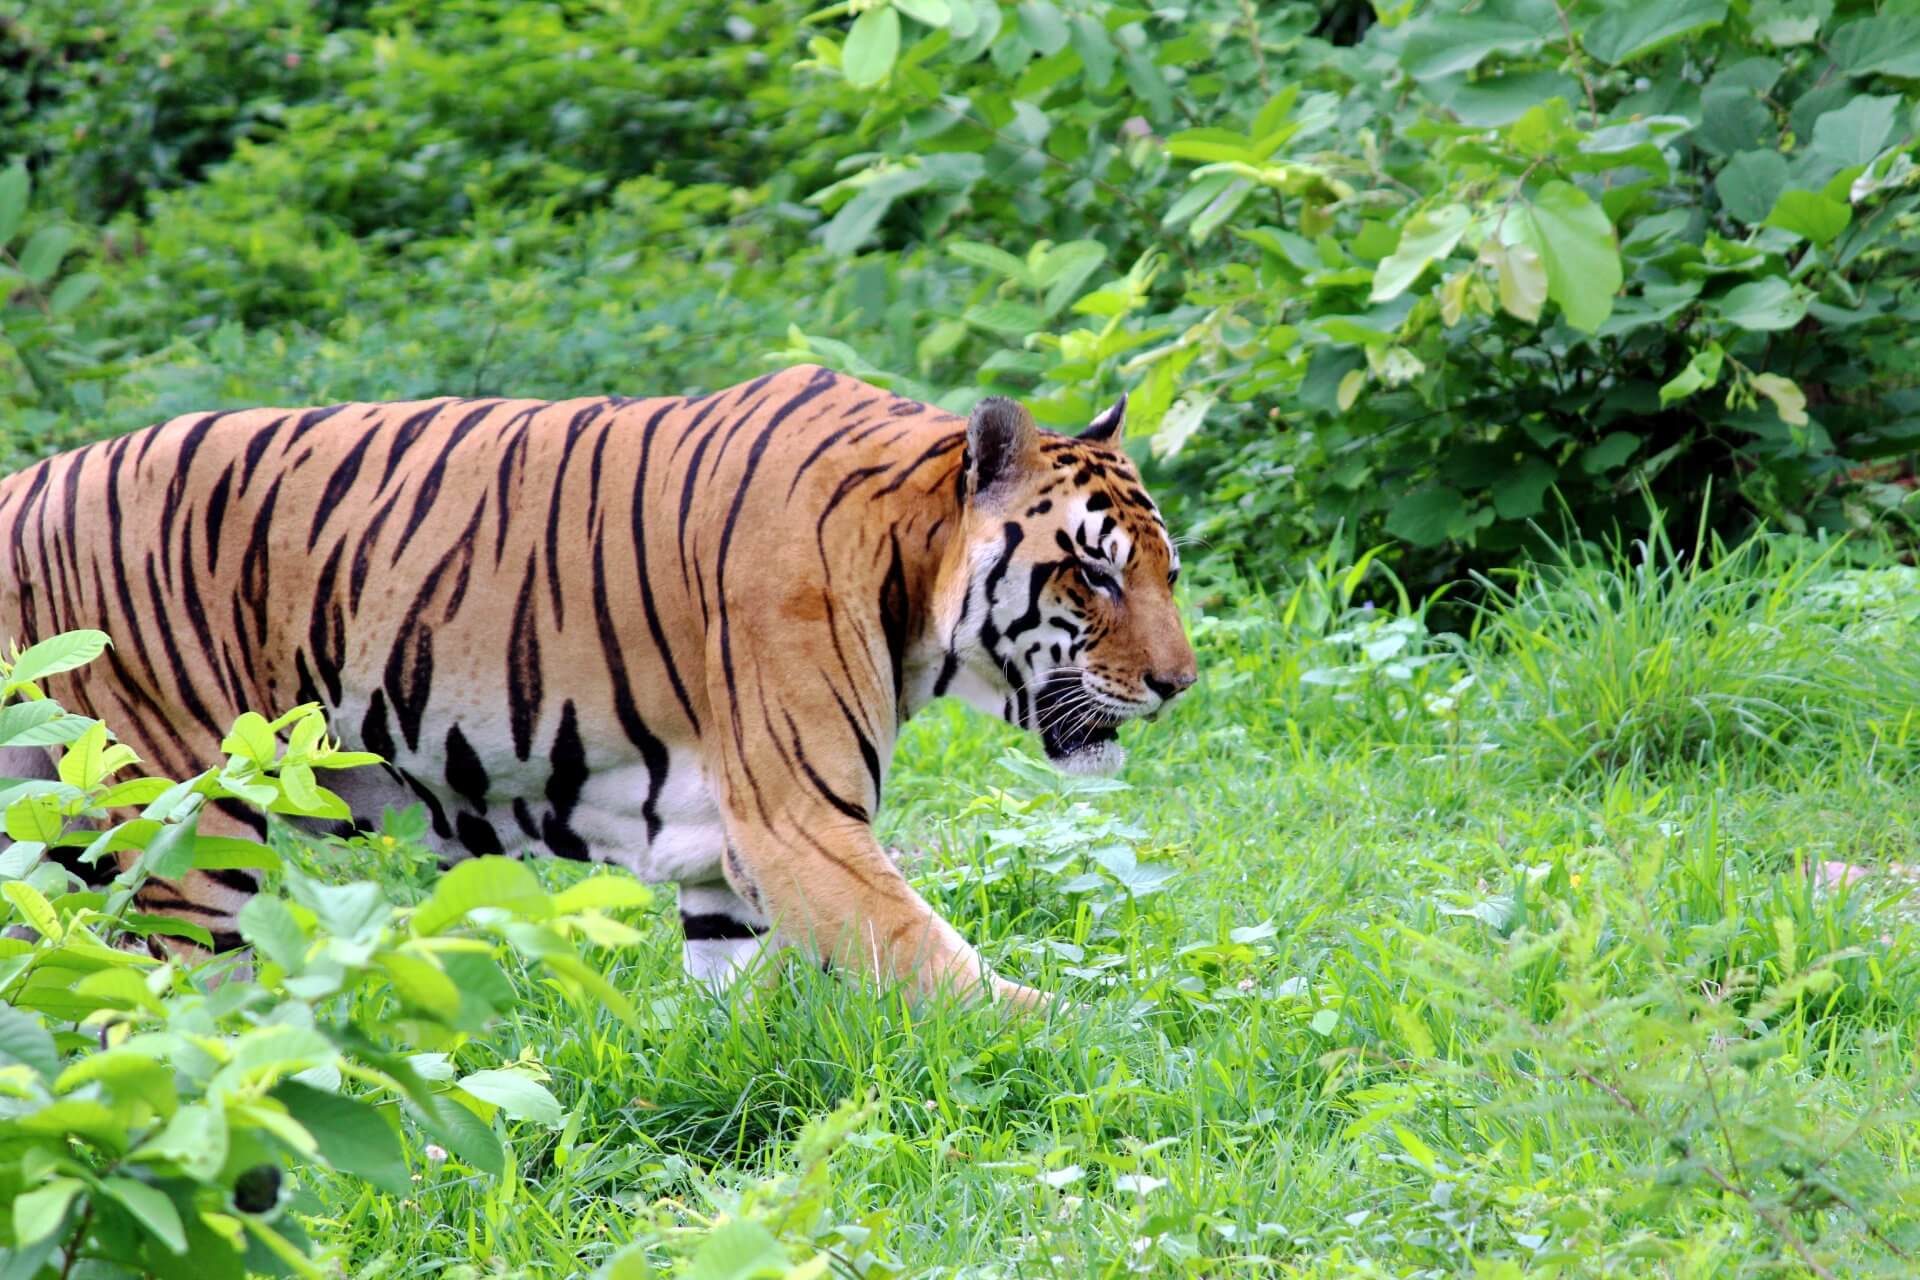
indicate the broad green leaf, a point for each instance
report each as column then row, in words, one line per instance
column 1575, row 243
column 994, row 259
column 24, row 1040
column 152, row 1208
column 463, row 1133
column 1005, row 316
column 1520, row 491
column 1428, row 236
column 481, row 882
column 1042, row 25
column 871, row 48
column 1785, row 23
column 1733, row 119
column 1219, row 209
column 935, row 13
column 859, row 217
column 33, row 908
column 1762, row 306
column 170, row 853
column 1440, row 43
column 43, row 252
column 56, row 654
column 1095, row 47
column 1789, row 401
column 1701, row 372
column 354, row 1138
column 251, row 738
column 420, row 982
column 1427, row 517
column 14, row 187
column 519, row 1096
column 1750, row 183
column 1612, row 451
column 1887, row 45
column 72, row 291
column 39, row 1213
column 1808, row 213
column 604, row 892
column 1854, row 134
column 35, row 817
column 1631, row 29
column 268, row 925
column 40, row 724
column 738, row 1249
column 195, row 1140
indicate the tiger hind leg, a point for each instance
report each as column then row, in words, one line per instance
column 725, row 937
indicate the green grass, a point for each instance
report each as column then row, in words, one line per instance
column 1394, row 956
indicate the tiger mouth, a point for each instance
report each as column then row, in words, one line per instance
column 1069, row 724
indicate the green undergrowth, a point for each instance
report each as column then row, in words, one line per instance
column 1390, row 953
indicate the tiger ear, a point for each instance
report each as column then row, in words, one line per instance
column 1000, row 442
column 1106, row 427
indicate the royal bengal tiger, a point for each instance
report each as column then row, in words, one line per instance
column 679, row 635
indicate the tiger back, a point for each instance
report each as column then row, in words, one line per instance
column 675, row 634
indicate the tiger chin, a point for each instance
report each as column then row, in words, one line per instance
column 677, row 634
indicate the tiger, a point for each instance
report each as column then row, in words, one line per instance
column 680, row 634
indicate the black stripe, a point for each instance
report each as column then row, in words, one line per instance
column 647, row 604
column 337, row 485
column 652, row 752
column 575, row 427
column 429, row 491
column 524, row 688
column 713, row 927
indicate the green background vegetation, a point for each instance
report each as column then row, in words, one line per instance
column 1527, row 897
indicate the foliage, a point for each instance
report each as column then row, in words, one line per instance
column 156, row 1115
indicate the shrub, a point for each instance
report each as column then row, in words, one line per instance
column 156, row 1117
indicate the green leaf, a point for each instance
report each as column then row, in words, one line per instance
column 1887, row 45
column 39, row 1212
column 1428, row 236
column 170, row 854
column 1856, row 133
column 1750, row 183
column 994, row 259
column 1575, row 243
column 463, row 1133
column 33, row 908
column 859, row 217
column 1632, row 29
column 1808, row 213
column 1439, row 43
column 481, row 882
column 43, row 252
column 1013, row 319
column 14, row 187
column 353, row 1137
column 268, row 925
column 40, row 724
column 1762, row 306
column 195, row 1141
column 1427, row 517
column 72, row 291
column 1785, row 23
column 1732, row 119
column 935, row 13
column 1613, row 450
column 605, row 892
column 738, row 1249
column 1701, row 372
column 1521, row 491
column 56, row 654
column 1789, row 401
column 1042, row 26
column 151, row 1207
column 24, row 1040
column 872, row 46
column 421, row 983
column 1095, row 47
column 517, row 1095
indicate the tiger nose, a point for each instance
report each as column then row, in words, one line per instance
column 1170, row 685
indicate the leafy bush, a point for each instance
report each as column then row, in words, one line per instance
column 156, row 1117
column 1490, row 252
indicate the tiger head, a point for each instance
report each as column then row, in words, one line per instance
column 1059, row 612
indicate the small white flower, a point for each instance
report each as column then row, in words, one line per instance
column 436, row 1154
